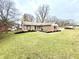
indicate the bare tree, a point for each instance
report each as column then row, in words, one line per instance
column 27, row 17
column 42, row 13
column 60, row 22
column 7, row 11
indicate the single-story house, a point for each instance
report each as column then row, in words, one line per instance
column 46, row 27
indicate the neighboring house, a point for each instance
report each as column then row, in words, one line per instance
column 14, row 27
column 76, row 26
column 3, row 27
column 46, row 27
column 69, row 27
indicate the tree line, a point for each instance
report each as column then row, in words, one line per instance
column 42, row 16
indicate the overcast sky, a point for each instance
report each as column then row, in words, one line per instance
column 67, row 9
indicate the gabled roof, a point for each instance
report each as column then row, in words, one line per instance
column 38, row 24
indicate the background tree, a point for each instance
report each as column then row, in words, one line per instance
column 60, row 22
column 28, row 18
column 7, row 11
column 42, row 13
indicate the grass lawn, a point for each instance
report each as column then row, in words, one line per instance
column 39, row 45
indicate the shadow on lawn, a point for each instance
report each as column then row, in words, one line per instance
column 21, row 32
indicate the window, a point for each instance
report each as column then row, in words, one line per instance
column 55, row 27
